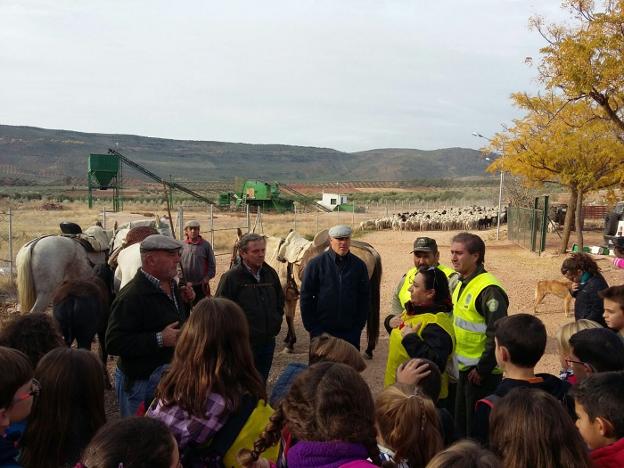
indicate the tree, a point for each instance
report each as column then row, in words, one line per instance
column 585, row 61
column 563, row 142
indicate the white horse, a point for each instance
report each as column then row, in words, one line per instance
column 44, row 263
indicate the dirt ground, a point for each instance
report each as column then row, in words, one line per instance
column 517, row 268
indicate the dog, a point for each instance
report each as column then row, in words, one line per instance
column 558, row 288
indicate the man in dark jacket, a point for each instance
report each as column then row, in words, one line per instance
column 335, row 292
column 145, row 322
column 256, row 287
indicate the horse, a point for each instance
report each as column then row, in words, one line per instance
column 289, row 257
column 44, row 263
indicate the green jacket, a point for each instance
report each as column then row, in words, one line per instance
column 139, row 311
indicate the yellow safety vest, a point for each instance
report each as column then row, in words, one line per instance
column 404, row 294
column 469, row 325
column 397, row 354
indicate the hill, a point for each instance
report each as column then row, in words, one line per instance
column 30, row 153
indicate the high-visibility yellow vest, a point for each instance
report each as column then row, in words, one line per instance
column 470, row 325
column 397, row 354
column 404, row 294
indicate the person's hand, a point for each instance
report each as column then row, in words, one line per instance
column 474, row 377
column 395, row 321
column 574, row 287
column 187, row 293
column 170, row 335
column 408, row 329
column 206, row 287
column 412, row 372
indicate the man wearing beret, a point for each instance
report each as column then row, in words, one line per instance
column 198, row 261
column 335, row 292
column 145, row 321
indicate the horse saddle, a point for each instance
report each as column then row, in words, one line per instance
column 89, row 242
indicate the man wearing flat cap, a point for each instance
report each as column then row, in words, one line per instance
column 425, row 254
column 335, row 292
column 145, row 321
column 198, row 260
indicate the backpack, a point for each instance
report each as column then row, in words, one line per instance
column 240, row 431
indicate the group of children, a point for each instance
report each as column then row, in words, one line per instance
column 210, row 408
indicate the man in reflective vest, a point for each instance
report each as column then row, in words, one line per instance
column 478, row 302
column 425, row 254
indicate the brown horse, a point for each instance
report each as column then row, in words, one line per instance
column 290, row 256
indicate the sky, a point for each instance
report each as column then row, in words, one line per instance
column 345, row 74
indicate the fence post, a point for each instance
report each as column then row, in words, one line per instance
column 181, row 221
column 386, row 208
column 104, row 219
column 11, row 245
column 353, row 216
column 211, row 219
column 247, row 215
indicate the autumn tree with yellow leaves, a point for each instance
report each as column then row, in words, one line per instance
column 562, row 142
column 574, row 134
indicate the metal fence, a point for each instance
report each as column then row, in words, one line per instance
column 7, row 267
column 527, row 227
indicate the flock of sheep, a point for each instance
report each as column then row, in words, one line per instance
column 448, row 219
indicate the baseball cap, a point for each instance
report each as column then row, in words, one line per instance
column 425, row 244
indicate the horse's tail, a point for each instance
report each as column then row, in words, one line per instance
column 372, row 324
column 25, row 284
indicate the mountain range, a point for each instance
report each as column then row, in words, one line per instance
column 38, row 154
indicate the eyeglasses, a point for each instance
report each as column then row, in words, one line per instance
column 34, row 391
column 581, row 363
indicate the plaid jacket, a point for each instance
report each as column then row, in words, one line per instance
column 188, row 429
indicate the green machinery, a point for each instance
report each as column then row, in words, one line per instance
column 105, row 172
column 258, row 193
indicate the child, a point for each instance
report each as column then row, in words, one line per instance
column 595, row 350
column 599, row 401
column 408, row 431
column 423, row 376
column 322, row 348
column 613, row 299
column 33, row 334
column 132, row 442
column 425, row 329
column 529, row 428
column 583, row 271
column 520, row 343
column 564, row 334
column 329, row 410
column 212, row 389
column 465, row 454
column 69, row 410
column 17, row 389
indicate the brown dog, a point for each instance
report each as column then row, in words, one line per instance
column 558, row 288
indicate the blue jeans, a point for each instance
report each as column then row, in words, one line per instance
column 141, row 391
column 263, row 358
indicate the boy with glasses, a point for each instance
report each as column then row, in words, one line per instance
column 595, row 350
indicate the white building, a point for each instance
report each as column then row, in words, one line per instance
column 332, row 200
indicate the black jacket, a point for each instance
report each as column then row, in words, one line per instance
column 588, row 304
column 549, row 383
column 139, row 311
column 262, row 302
column 335, row 294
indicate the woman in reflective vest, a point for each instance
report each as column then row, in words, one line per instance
column 425, row 328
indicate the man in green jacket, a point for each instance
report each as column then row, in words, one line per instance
column 479, row 300
column 145, row 321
